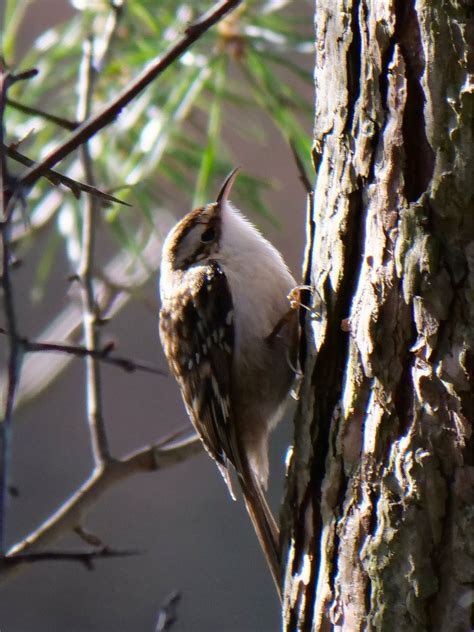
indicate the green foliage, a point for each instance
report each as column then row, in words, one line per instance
column 171, row 138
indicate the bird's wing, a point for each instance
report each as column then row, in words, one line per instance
column 200, row 355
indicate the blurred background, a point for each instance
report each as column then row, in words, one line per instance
column 191, row 536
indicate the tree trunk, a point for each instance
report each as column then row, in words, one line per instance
column 377, row 522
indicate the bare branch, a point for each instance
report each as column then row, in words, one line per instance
column 303, row 176
column 103, row 355
column 167, row 615
column 22, row 76
column 89, row 538
column 90, row 314
column 84, row 557
column 127, row 364
column 57, row 120
column 10, row 318
column 104, row 43
column 73, row 511
column 109, row 112
column 58, row 178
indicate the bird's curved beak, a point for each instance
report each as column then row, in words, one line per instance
column 223, row 194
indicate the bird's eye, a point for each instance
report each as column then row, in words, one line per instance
column 208, row 235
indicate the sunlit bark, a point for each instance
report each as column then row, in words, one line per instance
column 377, row 522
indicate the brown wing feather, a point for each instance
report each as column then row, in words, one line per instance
column 197, row 332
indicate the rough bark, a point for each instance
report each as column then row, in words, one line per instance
column 378, row 515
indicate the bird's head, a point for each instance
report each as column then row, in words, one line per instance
column 197, row 236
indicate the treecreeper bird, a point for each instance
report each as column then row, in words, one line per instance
column 230, row 337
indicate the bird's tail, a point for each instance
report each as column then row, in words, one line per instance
column 264, row 524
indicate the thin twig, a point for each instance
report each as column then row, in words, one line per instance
column 168, row 612
column 73, row 511
column 104, row 44
column 301, row 170
column 84, row 557
column 97, row 429
column 89, row 538
column 57, row 120
column 109, row 112
column 14, row 350
column 58, row 178
column 23, row 75
column 103, row 355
